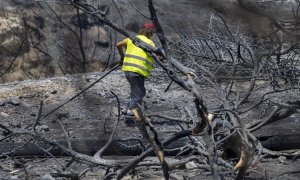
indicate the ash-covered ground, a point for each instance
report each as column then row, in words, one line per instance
column 94, row 114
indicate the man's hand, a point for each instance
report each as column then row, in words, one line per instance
column 121, row 61
column 161, row 53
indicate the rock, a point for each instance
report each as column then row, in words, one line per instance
column 3, row 102
column 9, row 41
column 43, row 127
column 14, row 177
column 282, row 159
column 15, row 101
column 190, row 165
column 47, row 177
column 115, row 110
column 101, row 34
column 4, row 114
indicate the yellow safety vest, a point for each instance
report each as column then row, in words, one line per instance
column 136, row 59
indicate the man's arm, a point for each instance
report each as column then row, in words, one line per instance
column 121, row 46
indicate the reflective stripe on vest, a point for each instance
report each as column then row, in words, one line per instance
column 137, row 66
column 139, row 58
column 136, row 59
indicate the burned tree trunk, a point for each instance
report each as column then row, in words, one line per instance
column 282, row 135
column 86, row 146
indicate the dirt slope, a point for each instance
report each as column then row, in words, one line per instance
column 89, row 112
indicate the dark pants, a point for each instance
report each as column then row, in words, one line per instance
column 137, row 89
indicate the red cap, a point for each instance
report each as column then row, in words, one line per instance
column 149, row 26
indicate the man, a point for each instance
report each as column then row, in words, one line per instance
column 137, row 65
